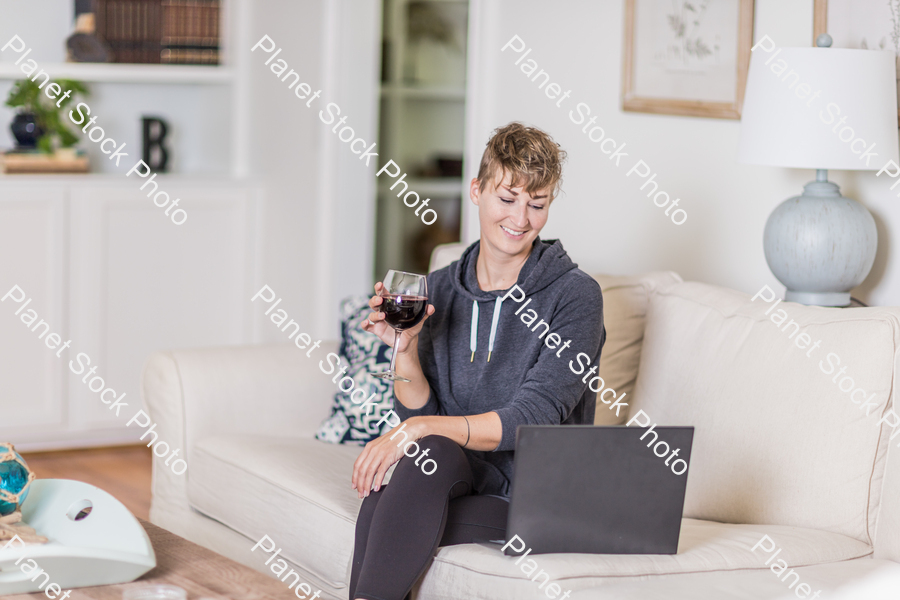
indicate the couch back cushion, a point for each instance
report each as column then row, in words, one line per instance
column 625, row 303
column 776, row 440
column 444, row 254
column 887, row 536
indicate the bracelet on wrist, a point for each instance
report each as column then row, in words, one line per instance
column 468, row 431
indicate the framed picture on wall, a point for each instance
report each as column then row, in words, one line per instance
column 867, row 24
column 686, row 57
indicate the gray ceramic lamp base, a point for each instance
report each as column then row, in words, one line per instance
column 820, row 245
column 818, row 298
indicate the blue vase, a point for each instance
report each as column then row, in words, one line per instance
column 26, row 130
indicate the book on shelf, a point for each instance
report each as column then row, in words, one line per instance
column 131, row 28
column 190, row 32
column 189, row 56
column 18, row 161
column 160, row 31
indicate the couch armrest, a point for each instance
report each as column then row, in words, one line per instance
column 241, row 390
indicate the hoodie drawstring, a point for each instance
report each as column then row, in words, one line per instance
column 473, row 336
column 494, row 320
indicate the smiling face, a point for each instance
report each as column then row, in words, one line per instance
column 510, row 218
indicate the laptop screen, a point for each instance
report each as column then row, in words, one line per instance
column 599, row 490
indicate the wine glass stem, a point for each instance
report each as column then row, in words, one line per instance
column 394, row 353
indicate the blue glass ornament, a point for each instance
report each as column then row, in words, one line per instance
column 15, row 479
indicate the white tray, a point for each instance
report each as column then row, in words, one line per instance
column 108, row 546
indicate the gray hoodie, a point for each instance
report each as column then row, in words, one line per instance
column 525, row 382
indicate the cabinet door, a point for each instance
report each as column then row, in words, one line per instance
column 32, row 399
column 141, row 283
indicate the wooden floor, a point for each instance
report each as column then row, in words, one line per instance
column 123, row 471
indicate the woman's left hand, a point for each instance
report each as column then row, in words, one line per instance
column 372, row 465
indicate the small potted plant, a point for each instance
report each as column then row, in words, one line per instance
column 38, row 122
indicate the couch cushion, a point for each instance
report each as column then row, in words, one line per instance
column 296, row 490
column 349, row 422
column 860, row 579
column 776, row 440
column 625, row 303
column 477, row 571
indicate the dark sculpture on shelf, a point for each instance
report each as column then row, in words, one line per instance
column 84, row 45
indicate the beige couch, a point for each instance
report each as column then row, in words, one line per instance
column 779, row 450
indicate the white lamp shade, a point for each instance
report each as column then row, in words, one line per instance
column 786, row 124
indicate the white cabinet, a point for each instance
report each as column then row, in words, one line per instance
column 110, row 272
column 32, row 240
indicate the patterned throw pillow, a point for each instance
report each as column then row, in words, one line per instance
column 365, row 354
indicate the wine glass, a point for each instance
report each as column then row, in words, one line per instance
column 405, row 300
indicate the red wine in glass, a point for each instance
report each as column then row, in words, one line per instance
column 403, row 312
column 404, row 302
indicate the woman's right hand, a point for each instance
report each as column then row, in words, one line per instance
column 384, row 331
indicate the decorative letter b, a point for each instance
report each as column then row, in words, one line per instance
column 154, row 154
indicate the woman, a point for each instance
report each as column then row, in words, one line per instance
column 479, row 366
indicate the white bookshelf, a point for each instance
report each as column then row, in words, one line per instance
column 126, row 73
column 205, row 105
column 429, row 186
column 412, row 92
column 422, row 115
column 102, row 263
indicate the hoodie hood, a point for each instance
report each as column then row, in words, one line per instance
column 547, row 262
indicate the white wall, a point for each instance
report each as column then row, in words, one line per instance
column 319, row 223
column 41, row 24
column 605, row 222
column 285, row 138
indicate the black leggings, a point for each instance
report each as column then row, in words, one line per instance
column 404, row 522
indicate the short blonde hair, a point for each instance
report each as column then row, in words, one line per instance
column 529, row 155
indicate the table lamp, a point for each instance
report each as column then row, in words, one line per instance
column 820, row 108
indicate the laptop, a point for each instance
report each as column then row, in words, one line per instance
column 598, row 490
